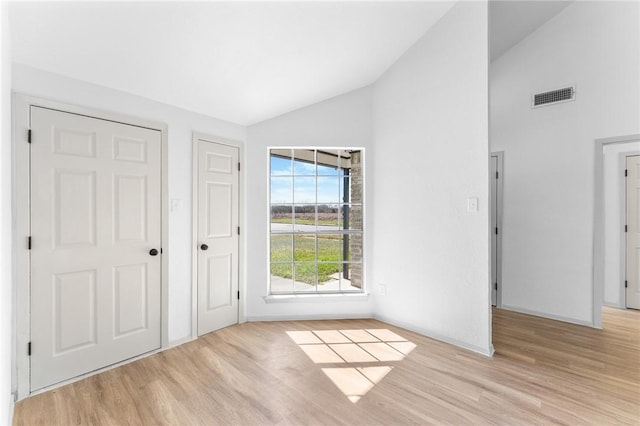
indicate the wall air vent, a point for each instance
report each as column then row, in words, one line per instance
column 552, row 97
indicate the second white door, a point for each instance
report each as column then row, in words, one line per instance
column 217, row 235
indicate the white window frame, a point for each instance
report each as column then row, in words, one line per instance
column 316, row 293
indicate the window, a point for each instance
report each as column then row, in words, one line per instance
column 316, row 226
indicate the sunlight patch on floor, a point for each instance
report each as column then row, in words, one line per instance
column 353, row 347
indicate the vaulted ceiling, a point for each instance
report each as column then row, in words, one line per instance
column 242, row 62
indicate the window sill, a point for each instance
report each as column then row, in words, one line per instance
column 301, row 298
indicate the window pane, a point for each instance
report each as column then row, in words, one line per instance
column 329, row 247
column 281, row 190
column 281, row 163
column 329, row 217
column 329, row 189
column 304, row 190
column 353, row 247
column 328, row 161
column 351, row 277
column 281, row 278
column 353, row 217
column 305, row 276
column 281, row 248
column 282, row 218
column 305, row 218
column 304, row 162
column 329, row 276
column 304, row 248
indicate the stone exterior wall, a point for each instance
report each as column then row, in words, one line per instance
column 355, row 219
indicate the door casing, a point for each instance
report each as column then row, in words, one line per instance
column 197, row 136
column 597, row 280
column 499, row 155
column 21, row 105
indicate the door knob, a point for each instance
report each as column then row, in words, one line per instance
column 153, row 252
column 204, row 247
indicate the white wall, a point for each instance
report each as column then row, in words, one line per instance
column 6, row 294
column 344, row 121
column 430, row 154
column 549, row 152
column 614, row 214
column 181, row 124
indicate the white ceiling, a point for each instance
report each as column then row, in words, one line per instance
column 512, row 21
column 238, row 61
column 242, row 62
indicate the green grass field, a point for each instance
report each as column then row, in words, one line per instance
column 329, row 250
column 307, row 221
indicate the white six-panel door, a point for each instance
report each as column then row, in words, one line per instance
column 217, row 236
column 95, row 219
column 633, row 232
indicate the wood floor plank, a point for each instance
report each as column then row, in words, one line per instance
column 543, row 372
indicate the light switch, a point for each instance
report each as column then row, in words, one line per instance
column 472, row 204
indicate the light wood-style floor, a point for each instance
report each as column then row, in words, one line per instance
column 544, row 372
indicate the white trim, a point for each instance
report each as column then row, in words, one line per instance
column 317, row 297
column 499, row 211
column 12, row 407
column 436, row 336
column 622, row 164
column 198, row 136
column 547, row 315
column 21, row 219
column 363, row 159
column 597, row 278
column 268, row 318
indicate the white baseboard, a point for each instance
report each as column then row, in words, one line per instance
column 548, row 316
column 613, row 305
column 436, row 336
column 179, row 342
column 307, row 317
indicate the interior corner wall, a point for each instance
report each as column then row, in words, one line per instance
column 431, row 155
column 343, row 121
column 7, row 377
column 548, row 215
column 181, row 125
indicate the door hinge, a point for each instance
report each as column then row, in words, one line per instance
column 238, row 230
column 625, row 172
column 29, row 136
column 160, row 250
column 496, row 230
column 625, row 228
column 238, row 294
column 625, row 284
column 29, row 349
column 497, row 175
column 495, row 286
column 238, row 166
column 29, row 243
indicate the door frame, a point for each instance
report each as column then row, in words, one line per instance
column 197, row 136
column 597, row 280
column 499, row 195
column 622, row 160
column 21, row 208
